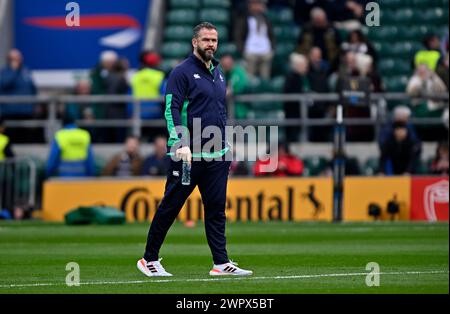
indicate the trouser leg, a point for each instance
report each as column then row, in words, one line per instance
column 213, row 189
column 174, row 197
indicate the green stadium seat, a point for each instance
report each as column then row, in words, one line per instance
column 177, row 32
column 168, row 64
column 396, row 83
column 404, row 49
column 277, row 84
column 414, row 32
column 228, row 48
column 391, row 67
column 225, row 4
column 384, row 33
column 284, row 50
column 215, row 16
column 281, row 17
column 399, row 17
column 284, row 33
column 223, row 33
column 436, row 16
column 182, row 17
column 424, row 4
column 176, row 50
column 392, row 4
column 314, row 166
column 185, row 4
column 371, row 166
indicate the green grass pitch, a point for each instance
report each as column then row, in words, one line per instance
column 285, row 257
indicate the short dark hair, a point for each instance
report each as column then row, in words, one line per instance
column 207, row 25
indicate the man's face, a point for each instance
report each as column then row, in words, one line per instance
column 205, row 44
column 132, row 145
column 227, row 63
column 400, row 134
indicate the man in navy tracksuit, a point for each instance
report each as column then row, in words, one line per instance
column 196, row 89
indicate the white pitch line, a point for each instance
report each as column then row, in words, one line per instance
column 223, row 279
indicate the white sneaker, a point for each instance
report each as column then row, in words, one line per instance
column 229, row 269
column 152, row 269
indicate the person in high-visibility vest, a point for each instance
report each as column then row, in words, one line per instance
column 5, row 144
column 149, row 82
column 71, row 152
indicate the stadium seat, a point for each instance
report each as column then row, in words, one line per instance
column 228, row 48
column 285, row 33
column 283, row 50
column 223, row 33
column 168, row 64
column 396, row 83
column 424, row 4
column 277, row 84
column 393, row 4
column 371, row 166
column 390, row 67
column 384, row 33
column 225, row 4
column 176, row 50
column 215, row 16
column 436, row 16
column 314, row 166
column 184, row 4
column 178, row 32
column 182, row 17
column 281, row 17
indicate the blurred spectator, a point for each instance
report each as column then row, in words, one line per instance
column 148, row 82
column 357, row 66
column 100, row 73
column 71, row 152
column 237, row 83
column 426, row 82
column 431, row 54
column 358, row 43
column 5, row 143
column 401, row 114
column 109, row 77
column 400, row 154
column 288, row 164
column 6, row 151
column 158, row 163
column 319, row 69
column 346, row 14
column 127, row 163
column 254, row 38
column 16, row 80
column 238, row 167
column 297, row 81
column 440, row 163
column 442, row 69
column 117, row 84
column 319, row 33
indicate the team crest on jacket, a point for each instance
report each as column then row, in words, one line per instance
column 197, row 76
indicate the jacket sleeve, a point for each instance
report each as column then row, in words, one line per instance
column 176, row 91
column 90, row 162
column 53, row 159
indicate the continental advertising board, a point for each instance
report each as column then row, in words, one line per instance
column 247, row 199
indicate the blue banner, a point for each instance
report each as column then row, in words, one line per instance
column 48, row 42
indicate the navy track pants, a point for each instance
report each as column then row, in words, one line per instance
column 211, row 178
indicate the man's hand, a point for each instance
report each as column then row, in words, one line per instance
column 184, row 153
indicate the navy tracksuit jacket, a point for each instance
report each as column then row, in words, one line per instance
column 193, row 91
